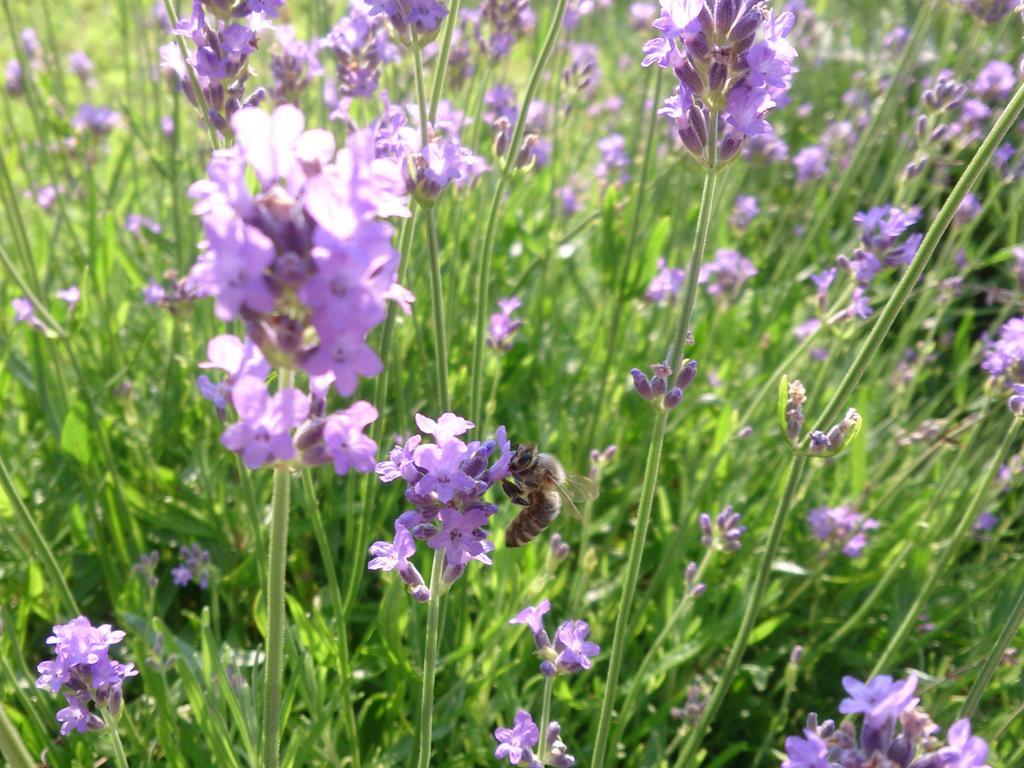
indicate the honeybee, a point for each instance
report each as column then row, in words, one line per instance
column 539, row 484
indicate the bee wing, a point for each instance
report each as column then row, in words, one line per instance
column 576, row 488
column 579, row 488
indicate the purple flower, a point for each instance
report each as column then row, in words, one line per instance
column 394, row 556
column 516, row 743
column 614, row 158
column 726, row 532
column 181, row 575
column 24, row 312
column 533, row 617
column 986, row 521
column 964, row 750
column 195, row 566
column 808, row 752
column 810, row 163
column 423, row 16
column 447, row 480
column 1004, row 356
column 573, row 649
column 666, row 284
column 236, row 358
column 264, row 432
column 880, row 700
column 502, row 326
column 968, row 210
column 842, row 527
column 136, row 222
column 14, row 82
column 744, row 211
column 726, row 273
column 345, row 441
column 83, row 666
column 96, row 119
column 81, row 65
column 359, row 44
column 153, row 293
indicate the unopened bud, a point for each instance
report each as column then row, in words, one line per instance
column 642, row 384
column 672, row 398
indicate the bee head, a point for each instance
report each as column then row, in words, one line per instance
column 523, row 458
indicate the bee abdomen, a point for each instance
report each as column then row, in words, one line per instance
column 530, row 522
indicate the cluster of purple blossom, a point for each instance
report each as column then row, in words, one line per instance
column 841, row 528
column 570, row 652
column 446, row 481
column 414, row 22
column 293, row 65
column 502, row 327
column 655, row 389
column 1003, row 357
column 25, row 312
column 219, row 62
column 84, row 672
column 724, row 534
column 725, row 274
column 307, row 263
column 884, row 703
column 726, row 74
column 501, row 111
column 195, row 567
column 516, row 744
column 360, row 45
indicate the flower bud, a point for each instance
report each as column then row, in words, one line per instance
column 642, row 384
column 672, row 398
column 818, row 442
column 687, row 373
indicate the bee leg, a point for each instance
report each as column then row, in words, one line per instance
column 514, row 492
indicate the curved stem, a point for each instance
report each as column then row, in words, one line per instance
column 650, row 481
column 487, row 252
column 941, row 564
column 277, row 559
column 545, row 717
column 750, row 613
column 430, row 662
column 995, row 655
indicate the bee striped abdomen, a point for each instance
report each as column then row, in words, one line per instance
column 540, row 512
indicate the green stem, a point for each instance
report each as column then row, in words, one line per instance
column 40, row 548
column 545, row 717
column 430, row 661
column 277, row 560
column 487, row 252
column 750, row 613
column 650, row 481
column 442, row 57
column 11, row 746
column 437, row 308
column 941, row 565
column 119, row 756
column 995, row 656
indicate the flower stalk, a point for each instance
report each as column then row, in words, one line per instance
column 650, row 480
column 430, row 661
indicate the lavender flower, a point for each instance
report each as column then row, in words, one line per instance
column 394, row 556
column 666, row 284
column 570, row 652
column 81, row 66
column 501, row 23
column 98, row 120
column 136, row 222
column 263, row 433
column 793, row 410
column 146, row 567
column 725, row 274
column 359, row 44
column 810, row 163
column 744, row 211
column 724, row 75
column 726, row 532
column 411, row 18
column 294, row 64
column 446, row 482
column 502, row 327
column 83, row 670
column 70, row 296
column 842, row 528
column 614, row 159
column 516, row 743
column 1003, row 358
column 14, row 81
column 194, row 567
column 235, row 357
column 656, row 389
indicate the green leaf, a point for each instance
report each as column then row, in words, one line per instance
column 74, row 435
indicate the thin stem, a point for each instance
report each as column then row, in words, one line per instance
column 277, row 559
column 545, row 717
column 119, row 756
column 995, row 656
column 940, row 565
column 938, row 228
column 437, row 307
column 650, row 481
column 172, row 17
column 750, row 613
column 487, row 252
column 442, row 57
column 430, row 661
column 12, row 747
column 40, row 548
